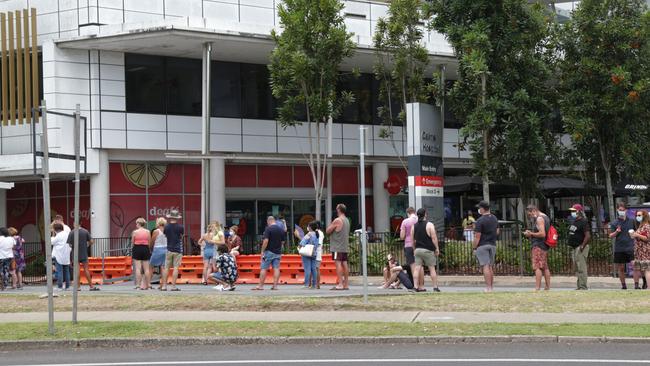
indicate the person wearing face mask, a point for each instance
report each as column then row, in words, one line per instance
column 486, row 233
column 624, row 244
column 641, row 248
column 579, row 236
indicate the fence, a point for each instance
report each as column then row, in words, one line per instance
column 513, row 255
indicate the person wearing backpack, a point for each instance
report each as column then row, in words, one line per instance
column 540, row 248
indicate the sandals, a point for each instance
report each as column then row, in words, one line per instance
column 175, row 289
column 94, row 289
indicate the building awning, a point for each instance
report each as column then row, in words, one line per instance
column 568, row 187
column 178, row 40
column 474, row 186
column 5, row 185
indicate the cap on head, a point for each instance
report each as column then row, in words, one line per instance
column 577, row 207
column 484, row 205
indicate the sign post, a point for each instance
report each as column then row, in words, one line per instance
column 47, row 216
column 424, row 129
column 75, row 255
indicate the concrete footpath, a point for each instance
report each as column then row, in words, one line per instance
column 334, row 316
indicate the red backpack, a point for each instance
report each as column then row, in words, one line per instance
column 551, row 237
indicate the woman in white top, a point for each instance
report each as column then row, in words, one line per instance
column 7, row 243
column 159, row 242
column 61, row 253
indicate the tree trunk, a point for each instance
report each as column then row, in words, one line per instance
column 607, row 168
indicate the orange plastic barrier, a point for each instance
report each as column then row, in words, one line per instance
column 114, row 267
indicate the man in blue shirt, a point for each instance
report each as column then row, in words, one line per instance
column 624, row 244
column 273, row 239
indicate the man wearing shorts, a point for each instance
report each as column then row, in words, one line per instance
column 624, row 244
column 85, row 240
column 485, row 242
column 409, row 251
column 339, row 232
column 174, row 233
column 540, row 249
column 425, row 241
column 273, row 239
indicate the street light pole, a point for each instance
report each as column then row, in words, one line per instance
column 364, row 236
column 77, row 126
column 47, row 216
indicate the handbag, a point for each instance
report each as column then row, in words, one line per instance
column 307, row 250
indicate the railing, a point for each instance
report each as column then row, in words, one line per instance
column 513, row 255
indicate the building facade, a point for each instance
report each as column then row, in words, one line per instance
column 135, row 69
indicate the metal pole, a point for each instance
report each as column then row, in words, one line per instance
column 47, row 218
column 77, row 152
column 364, row 237
column 205, row 137
column 328, row 202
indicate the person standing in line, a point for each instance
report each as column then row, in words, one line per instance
column 61, row 253
column 208, row 248
column 309, row 262
column 58, row 219
column 425, row 241
column 409, row 252
column 272, row 241
column 319, row 253
column 624, row 244
column 468, row 226
column 339, row 232
column 7, row 243
column 85, row 241
column 579, row 237
column 486, row 232
column 641, row 248
column 19, row 256
column 159, row 252
column 141, row 254
column 174, row 232
column 540, row 249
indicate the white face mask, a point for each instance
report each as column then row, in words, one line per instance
column 639, row 218
column 574, row 214
column 621, row 213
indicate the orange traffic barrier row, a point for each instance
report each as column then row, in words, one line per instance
column 113, row 267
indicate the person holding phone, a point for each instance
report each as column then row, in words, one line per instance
column 624, row 244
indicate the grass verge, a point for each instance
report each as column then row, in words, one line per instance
column 84, row 330
column 606, row 301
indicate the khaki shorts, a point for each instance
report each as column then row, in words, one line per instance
column 425, row 257
column 173, row 259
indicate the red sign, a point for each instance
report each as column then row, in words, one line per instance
column 425, row 181
column 393, row 185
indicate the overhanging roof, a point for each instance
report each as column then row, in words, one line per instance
column 179, row 41
column 4, row 185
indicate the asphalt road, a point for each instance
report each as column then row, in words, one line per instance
column 381, row 354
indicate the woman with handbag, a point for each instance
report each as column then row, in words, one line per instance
column 19, row 257
column 308, row 249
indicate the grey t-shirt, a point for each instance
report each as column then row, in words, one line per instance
column 624, row 242
column 84, row 239
column 487, row 226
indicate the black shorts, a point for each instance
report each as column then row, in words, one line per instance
column 340, row 257
column 623, row 257
column 141, row 253
column 409, row 254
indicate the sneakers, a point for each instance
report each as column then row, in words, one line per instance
column 218, row 287
column 435, row 289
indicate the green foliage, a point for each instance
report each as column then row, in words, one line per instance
column 505, row 43
column 605, row 78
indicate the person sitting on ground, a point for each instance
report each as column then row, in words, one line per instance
column 391, row 272
column 225, row 272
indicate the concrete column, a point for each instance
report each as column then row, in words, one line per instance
column 380, row 197
column 328, row 201
column 100, row 202
column 218, row 190
column 3, row 207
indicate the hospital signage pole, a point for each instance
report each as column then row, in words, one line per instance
column 424, row 129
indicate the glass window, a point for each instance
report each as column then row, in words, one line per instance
column 257, row 100
column 280, row 209
column 395, row 103
column 360, row 111
column 226, row 91
column 145, row 83
column 352, row 209
column 184, row 86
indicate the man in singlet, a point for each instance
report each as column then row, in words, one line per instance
column 339, row 232
column 539, row 249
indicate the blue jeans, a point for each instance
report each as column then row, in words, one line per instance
column 271, row 259
column 62, row 274
column 311, row 271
